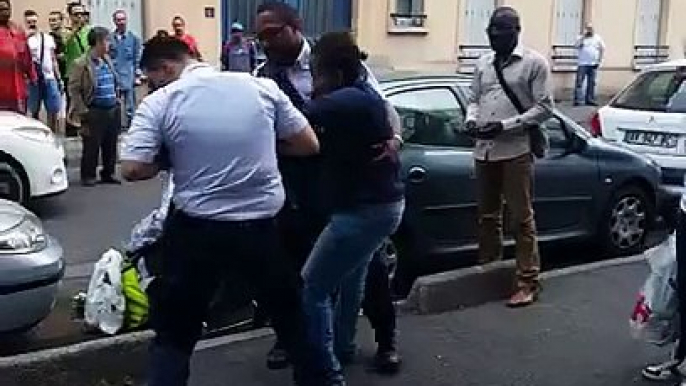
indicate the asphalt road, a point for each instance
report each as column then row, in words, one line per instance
column 577, row 335
column 86, row 221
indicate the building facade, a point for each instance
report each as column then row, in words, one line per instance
column 448, row 35
column 433, row 35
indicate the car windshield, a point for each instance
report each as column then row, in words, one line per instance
column 651, row 91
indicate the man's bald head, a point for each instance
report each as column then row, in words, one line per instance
column 503, row 31
column 505, row 18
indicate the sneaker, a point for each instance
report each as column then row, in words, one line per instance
column 277, row 358
column 666, row 371
column 387, row 361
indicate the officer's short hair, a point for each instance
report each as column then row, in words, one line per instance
column 97, row 34
column 161, row 48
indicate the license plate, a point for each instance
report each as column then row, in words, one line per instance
column 647, row 138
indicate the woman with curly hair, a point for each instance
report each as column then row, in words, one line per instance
column 365, row 196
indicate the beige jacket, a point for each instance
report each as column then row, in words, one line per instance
column 81, row 87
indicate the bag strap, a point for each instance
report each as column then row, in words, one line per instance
column 41, row 55
column 506, row 88
column 77, row 36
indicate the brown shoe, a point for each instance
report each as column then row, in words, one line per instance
column 523, row 298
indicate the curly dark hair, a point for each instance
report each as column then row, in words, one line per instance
column 161, row 48
column 337, row 52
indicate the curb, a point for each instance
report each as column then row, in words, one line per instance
column 474, row 286
column 122, row 359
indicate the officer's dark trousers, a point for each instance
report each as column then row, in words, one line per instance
column 300, row 230
column 681, row 283
column 197, row 255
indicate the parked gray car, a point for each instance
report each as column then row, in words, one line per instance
column 31, row 269
column 585, row 188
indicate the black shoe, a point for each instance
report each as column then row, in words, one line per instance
column 387, row 361
column 88, row 182
column 591, row 103
column 277, row 358
column 109, row 181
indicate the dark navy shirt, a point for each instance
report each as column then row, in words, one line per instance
column 350, row 122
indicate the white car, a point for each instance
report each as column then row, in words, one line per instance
column 649, row 116
column 31, row 159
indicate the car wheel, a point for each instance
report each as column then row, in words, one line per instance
column 14, row 186
column 627, row 221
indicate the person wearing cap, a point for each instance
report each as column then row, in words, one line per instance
column 238, row 54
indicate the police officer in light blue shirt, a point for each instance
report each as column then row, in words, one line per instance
column 221, row 132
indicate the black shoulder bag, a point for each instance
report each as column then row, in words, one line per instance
column 42, row 86
column 538, row 139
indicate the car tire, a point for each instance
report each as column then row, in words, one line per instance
column 14, row 185
column 627, row 220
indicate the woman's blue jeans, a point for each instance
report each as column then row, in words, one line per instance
column 338, row 263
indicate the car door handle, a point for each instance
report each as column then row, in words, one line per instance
column 416, row 174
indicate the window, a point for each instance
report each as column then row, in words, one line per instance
column 409, row 14
column 557, row 136
column 569, row 16
column 409, row 7
column 431, row 116
column 651, row 91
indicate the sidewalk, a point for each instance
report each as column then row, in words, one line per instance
column 577, row 335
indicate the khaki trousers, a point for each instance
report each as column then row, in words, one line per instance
column 511, row 180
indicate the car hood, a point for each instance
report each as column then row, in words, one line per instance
column 11, row 214
column 11, row 120
column 618, row 150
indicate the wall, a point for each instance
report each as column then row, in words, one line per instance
column 158, row 14
column 434, row 49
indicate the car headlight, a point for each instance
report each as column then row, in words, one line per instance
column 26, row 237
column 38, row 134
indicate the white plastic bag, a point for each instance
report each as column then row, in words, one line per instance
column 655, row 318
column 105, row 301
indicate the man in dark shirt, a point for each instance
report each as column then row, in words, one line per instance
column 279, row 30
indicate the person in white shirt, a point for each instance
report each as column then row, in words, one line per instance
column 48, row 89
column 591, row 50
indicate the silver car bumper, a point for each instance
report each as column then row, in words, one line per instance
column 29, row 285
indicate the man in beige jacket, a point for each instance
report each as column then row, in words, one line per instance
column 95, row 108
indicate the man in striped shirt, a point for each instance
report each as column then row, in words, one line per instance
column 95, row 108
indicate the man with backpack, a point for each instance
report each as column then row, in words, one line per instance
column 48, row 89
column 238, row 54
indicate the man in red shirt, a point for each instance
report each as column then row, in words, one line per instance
column 179, row 27
column 16, row 65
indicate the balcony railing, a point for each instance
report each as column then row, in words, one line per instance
column 408, row 21
column 648, row 55
column 469, row 55
column 564, row 58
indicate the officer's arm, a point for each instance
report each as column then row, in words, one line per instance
column 140, row 158
column 294, row 134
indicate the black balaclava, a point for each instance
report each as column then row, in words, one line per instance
column 503, row 31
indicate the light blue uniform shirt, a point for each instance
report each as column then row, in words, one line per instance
column 221, row 130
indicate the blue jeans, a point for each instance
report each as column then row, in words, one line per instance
column 339, row 261
column 129, row 97
column 49, row 94
column 588, row 74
